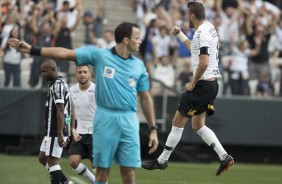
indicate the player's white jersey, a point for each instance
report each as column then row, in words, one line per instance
column 206, row 36
column 85, row 107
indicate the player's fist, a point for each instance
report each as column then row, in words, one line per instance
column 175, row 30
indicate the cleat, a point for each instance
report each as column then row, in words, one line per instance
column 70, row 182
column 154, row 164
column 225, row 164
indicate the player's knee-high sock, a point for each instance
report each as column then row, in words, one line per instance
column 172, row 140
column 64, row 179
column 82, row 170
column 210, row 138
column 55, row 174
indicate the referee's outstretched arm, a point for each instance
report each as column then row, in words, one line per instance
column 57, row 53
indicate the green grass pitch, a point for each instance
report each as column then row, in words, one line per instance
column 27, row 170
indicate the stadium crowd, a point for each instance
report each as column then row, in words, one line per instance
column 250, row 33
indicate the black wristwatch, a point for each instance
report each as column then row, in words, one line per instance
column 155, row 127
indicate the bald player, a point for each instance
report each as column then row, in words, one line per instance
column 57, row 120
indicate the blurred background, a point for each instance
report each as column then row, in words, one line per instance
column 247, row 119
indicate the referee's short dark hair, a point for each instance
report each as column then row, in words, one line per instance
column 197, row 9
column 124, row 30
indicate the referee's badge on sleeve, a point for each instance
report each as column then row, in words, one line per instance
column 109, row 72
column 132, row 81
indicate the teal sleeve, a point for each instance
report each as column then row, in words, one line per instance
column 86, row 55
column 143, row 82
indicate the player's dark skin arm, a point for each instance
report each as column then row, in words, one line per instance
column 60, row 123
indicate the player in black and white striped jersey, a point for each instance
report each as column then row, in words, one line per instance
column 57, row 122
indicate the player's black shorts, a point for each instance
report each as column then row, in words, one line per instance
column 82, row 147
column 199, row 100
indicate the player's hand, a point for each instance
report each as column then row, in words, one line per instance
column 20, row 46
column 61, row 141
column 153, row 141
column 75, row 135
column 175, row 30
column 190, row 86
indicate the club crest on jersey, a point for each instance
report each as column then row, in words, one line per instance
column 109, row 72
column 132, row 81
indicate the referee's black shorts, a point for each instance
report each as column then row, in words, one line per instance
column 82, row 147
column 199, row 100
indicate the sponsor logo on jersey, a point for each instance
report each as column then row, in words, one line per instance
column 109, row 72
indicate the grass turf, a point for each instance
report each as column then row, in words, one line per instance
column 27, row 170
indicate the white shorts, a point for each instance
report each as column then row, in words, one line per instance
column 50, row 147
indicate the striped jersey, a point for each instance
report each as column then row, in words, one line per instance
column 58, row 92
